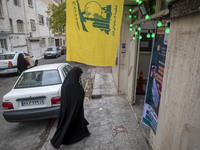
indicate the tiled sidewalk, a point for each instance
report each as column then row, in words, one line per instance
column 112, row 123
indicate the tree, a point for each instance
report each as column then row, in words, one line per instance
column 57, row 18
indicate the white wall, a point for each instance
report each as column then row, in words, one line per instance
column 179, row 115
column 4, row 22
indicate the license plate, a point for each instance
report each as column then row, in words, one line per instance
column 32, row 102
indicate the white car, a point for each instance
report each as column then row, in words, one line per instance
column 8, row 62
column 36, row 94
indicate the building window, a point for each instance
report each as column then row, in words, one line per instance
column 33, row 26
column 20, row 26
column 3, row 44
column 47, row 21
column 11, row 25
column 1, row 9
column 42, row 43
column 30, row 3
column 41, row 19
column 17, row 2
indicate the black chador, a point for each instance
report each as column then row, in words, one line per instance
column 72, row 125
column 22, row 64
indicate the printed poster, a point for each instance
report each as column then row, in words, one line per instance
column 155, row 78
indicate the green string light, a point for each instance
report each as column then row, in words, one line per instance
column 129, row 16
column 147, row 17
column 140, row 2
column 139, row 28
column 135, row 16
column 130, row 29
column 167, row 30
column 140, row 37
column 136, row 33
column 148, row 35
column 153, row 35
column 154, row 7
column 130, row 10
column 137, row 0
column 133, row 38
column 159, row 24
column 131, row 25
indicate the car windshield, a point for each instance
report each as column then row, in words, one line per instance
column 51, row 49
column 38, row 78
column 6, row 56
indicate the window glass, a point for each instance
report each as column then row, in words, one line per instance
column 7, row 56
column 20, row 26
column 41, row 19
column 16, row 2
column 30, row 2
column 39, row 78
column 33, row 26
column 26, row 54
column 69, row 67
column 1, row 9
column 3, row 44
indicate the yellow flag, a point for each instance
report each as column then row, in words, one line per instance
column 93, row 28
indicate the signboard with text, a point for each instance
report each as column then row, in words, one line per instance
column 155, row 78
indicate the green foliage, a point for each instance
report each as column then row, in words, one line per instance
column 57, row 18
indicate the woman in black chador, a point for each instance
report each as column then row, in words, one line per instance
column 22, row 64
column 72, row 125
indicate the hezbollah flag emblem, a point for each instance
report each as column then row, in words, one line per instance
column 93, row 28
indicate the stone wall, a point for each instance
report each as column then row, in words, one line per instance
column 179, row 121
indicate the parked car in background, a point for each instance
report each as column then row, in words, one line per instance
column 8, row 62
column 36, row 94
column 63, row 50
column 52, row 52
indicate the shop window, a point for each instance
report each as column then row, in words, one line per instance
column 20, row 26
column 33, row 26
column 41, row 19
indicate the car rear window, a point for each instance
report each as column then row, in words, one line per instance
column 39, row 78
column 6, row 56
column 51, row 49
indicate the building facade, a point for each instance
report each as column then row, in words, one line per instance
column 24, row 26
column 178, row 118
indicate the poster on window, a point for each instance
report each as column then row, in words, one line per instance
column 155, row 77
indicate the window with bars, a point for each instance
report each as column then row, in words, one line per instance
column 30, row 3
column 20, row 26
column 1, row 9
column 41, row 19
column 42, row 43
column 3, row 44
column 17, row 2
column 33, row 26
